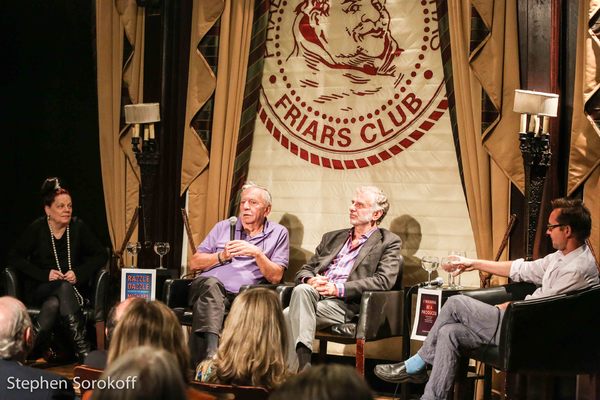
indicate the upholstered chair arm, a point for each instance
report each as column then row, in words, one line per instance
column 10, row 280
column 501, row 294
column 380, row 314
column 175, row 292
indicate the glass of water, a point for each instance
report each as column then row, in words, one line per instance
column 161, row 248
column 460, row 253
column 133, row 248
column 430, row 264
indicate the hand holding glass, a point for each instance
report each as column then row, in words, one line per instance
column 460, row 253
column 133, row 248
column 446, row 264
column 161, row 248
column 429, row 264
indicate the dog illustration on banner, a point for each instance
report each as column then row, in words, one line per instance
column 350, row 36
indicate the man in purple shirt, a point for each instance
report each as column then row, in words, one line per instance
column 258, row 252
column 346, row 263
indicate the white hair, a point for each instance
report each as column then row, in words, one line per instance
column 14, row 320
column 380, row 201
column 265, row 193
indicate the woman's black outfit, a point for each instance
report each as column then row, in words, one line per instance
column 34, row 257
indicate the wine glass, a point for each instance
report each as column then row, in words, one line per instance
column 460, row 253
column 133, row 248
column 446, row 264
column 429, row 264
column 161, row 248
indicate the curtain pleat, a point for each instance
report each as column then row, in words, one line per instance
column 584, row 157
column 207, row 175
column 487, row 186
column 120, row 182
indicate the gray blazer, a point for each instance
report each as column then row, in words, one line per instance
column 376, row 267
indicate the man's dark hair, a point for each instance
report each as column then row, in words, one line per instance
column 574, row 214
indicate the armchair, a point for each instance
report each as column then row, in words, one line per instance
column 556, row 335
column 95, row 312
column 380, row 317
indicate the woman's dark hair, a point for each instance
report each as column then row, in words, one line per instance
column 325, row 382
column 574, row 214
column 50, row 189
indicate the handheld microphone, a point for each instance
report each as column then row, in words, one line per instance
column 232, row 223
column 439, row 281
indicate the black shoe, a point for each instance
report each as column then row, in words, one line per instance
column 396, row 373
column 75, row 326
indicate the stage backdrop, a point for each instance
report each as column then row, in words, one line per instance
column 353, row 94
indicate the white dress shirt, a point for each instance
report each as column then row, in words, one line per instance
column 557, row 273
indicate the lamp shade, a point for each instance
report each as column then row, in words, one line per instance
column 535, row 103
column 144, row 113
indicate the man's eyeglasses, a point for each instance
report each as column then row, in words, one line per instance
column 552, row 226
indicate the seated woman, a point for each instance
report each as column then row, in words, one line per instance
column 253, row 343
column 57, row 255
column 152, row 323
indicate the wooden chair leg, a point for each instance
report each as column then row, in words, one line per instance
column 100, row 333
column 487, row 382
column 322, row 351
column 360, row 356
column 459, row 391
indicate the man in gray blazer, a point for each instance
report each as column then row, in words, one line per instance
column 346, row 263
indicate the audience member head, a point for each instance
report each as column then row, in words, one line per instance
column 575, row 215
column 15, row 329
column 50, row 189
column 143, row 372
column 115, row 314
column 149, row 323
column 253, row 342
column 380, row 201
column 325, row 382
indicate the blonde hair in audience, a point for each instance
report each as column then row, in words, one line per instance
column 149, row 323
column 253, row 342
column 148, row 372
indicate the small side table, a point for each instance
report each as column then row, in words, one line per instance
column 410, row 293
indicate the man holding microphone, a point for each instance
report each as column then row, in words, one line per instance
column 238, row 252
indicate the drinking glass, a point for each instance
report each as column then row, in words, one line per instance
column 161, row 248
column 133, row 248
column 446, row 264
column 460, row 253
column 429, row 264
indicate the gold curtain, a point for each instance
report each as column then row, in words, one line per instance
column 207, row 177
column 584, row 158
column 119, row 169
column 486, row 181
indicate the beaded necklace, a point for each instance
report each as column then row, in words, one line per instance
column 77, row 294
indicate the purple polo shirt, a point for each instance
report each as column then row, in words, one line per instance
column 273, row 242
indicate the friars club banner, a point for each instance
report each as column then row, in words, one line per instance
column 353, row 94
column 340, row 91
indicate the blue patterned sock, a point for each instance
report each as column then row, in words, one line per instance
column 414, row 364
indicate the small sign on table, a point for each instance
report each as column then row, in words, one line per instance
column 429, row 303
column 136, row 282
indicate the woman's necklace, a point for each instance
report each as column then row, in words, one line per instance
column 77, row 294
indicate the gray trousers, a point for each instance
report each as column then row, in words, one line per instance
column 463, row 324
column 307, row 312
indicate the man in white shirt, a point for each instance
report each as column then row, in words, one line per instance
column 465, row 323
